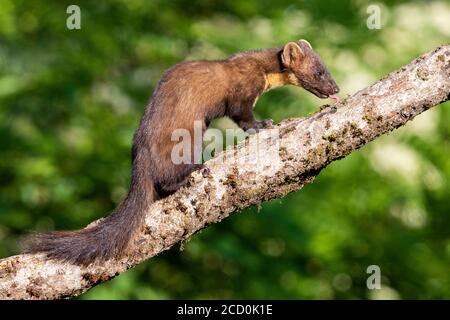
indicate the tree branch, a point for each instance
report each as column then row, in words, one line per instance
column 240, row 179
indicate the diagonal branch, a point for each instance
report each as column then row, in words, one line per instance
column 239, row 179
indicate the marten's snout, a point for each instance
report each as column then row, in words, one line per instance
column 332, row 87
column 335, row 88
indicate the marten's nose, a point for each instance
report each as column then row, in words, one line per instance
column 336, row 89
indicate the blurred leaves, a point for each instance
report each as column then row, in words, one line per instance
column 71, row 100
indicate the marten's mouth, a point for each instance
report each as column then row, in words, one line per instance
column 330, row 95
column 319, row 94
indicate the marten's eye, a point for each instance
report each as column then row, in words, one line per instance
column 319, row 73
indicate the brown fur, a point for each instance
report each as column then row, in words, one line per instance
column 189, row 91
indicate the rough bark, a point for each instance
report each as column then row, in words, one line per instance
column 238, row 180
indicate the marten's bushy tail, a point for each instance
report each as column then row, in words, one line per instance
column 105, row 240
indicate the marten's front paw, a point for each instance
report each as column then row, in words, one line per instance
column 263, row 124
column 266, row 123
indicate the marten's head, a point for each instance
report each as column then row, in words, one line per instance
column 306, row 69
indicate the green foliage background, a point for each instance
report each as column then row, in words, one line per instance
column 71, row 100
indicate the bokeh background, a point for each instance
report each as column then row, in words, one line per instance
column 71, row 100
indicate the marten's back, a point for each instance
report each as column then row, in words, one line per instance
column 189, row 91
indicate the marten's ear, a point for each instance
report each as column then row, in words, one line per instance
column 292, row 54
column 304, row 42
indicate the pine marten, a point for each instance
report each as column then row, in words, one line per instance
column 188, row 92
